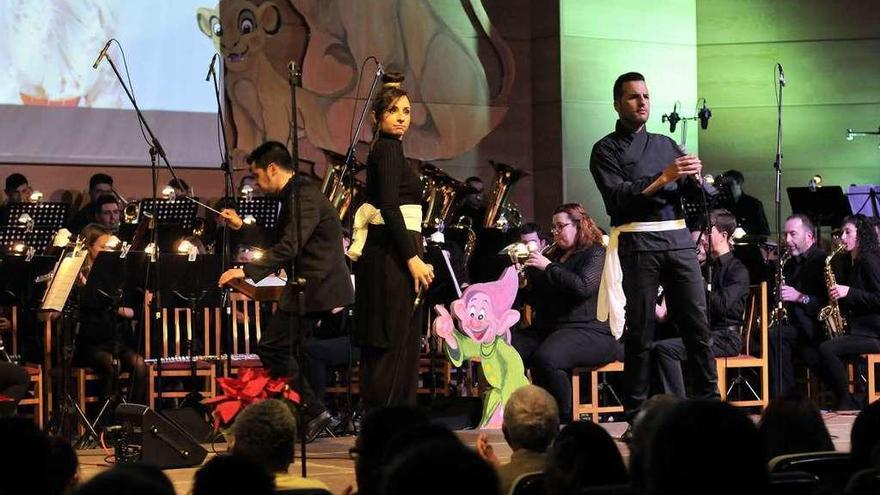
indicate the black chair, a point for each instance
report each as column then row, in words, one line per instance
column 794, row 483
column 608, row 490
column 528, row 484
column 864, row 482
column 832, row 468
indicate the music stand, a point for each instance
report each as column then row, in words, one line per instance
column 264, row 210
column 191, row 284
column 43, row 214
column 863, row 199
column 823, row 205
column 180, row 212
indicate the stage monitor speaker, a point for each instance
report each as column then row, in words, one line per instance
column 191, row 421
column 145, row 436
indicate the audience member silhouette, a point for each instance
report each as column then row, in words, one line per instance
column 439, row 467
column 583, row 455
column 24, row 457
column 793, row 427
column 63, row 467
column 129, row 479
column 865, row 438
column 232, row 475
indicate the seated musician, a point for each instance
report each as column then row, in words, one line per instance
column 17, row 190
column 14, row 380
column 859, row 302
column 726, row 303
column 104, row 329
column 107, row 212
column 803, row 294
column 100, row 184
column 562, row 287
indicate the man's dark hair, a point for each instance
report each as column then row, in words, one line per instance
column 805, row 221
column 232, row 474
column 27, row 470
column 793, row 426
column 271, row 152
column 105, row 199
column 99, row 179
column 378, row 428
column 14, row 181
column 129, row 479
column 532, row 228
column 735, row 175
column 625, row 78
column 265, row 433
column 439, row 467
column 723, row 220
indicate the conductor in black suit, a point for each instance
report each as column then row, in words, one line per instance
column 321, row 263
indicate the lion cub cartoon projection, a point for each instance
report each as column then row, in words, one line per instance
column 484, row 317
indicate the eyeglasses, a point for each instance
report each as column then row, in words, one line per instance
column 558, row 227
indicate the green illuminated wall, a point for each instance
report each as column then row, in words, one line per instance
column 601, row 40
column 831, row 55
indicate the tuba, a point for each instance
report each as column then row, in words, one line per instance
column 830, row 316
column 498, row 212
column 440, row 193
column 335, row 186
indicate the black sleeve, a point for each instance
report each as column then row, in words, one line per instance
column 618, row 191
column 734, row 288
column 285, row 250
column 582, row 280
column 388, row 156
column 867, row 297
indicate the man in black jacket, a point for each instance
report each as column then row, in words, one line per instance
column 803, row 294
column 726, row 301
column 308, row 247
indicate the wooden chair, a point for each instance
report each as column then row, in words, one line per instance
column 173, row 346
column 35, row 372
column 755, row 319
column 872, row 361
column 247, row 321
column 593, row 408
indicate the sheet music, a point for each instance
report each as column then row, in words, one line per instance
column 62, row 282
column 270, row 281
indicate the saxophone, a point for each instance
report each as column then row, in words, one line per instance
column 830, row 315
column 779, row 314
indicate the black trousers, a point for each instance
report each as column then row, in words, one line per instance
column 832, row 351
column 322, row 354
column 390, row 376
column 278, row 352
column 679, row 273
column 551, row 355
column 100, row 359
column 669, row 353
column 788, row 344
column 14, row 382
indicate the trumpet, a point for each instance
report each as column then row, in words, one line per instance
column 131, row 209
column 519, row 252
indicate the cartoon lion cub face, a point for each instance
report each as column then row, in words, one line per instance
column 239, row 30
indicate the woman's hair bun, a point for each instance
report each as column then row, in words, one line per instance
column 392, row 78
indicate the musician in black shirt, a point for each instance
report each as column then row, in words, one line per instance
column 859, row 302
column 642, row 177
column 803, row 294
column 726, row 299
column 748, row 210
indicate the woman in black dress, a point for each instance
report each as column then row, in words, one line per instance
column 390, row 272
column 562, row 287
column 859, row 302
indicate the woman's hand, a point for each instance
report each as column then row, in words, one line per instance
column 125, row 312
column 422, row 273
column 538, row 260
column 839, row 292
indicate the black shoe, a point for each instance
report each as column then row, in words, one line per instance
column 316, row 425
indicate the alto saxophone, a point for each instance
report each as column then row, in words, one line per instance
column 830, row 316
column 779, row 314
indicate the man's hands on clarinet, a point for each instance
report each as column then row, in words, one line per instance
column 231, row 218
column 683, row 166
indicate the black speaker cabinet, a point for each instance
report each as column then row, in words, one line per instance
column 148, row 437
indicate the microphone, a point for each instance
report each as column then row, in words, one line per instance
column 672, row 118
column 704, row 115
column 102, row 54
column 380, row 71
column 781, row 75
column 418, row 300
column 211, row 67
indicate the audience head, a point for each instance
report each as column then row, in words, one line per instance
column 107, row 211
column 63, row 467
column 25, row 464
column 583, row 455
column 865, row 438
column 17, row 188
column 800, row 234
column 100, row 185
column 129, row 479
column 439, row 467
column 265, row 433
column 531, row 419
column 573, row 228
column 232, row 475
column 532, row 234
column 697, row 444
column 793, row 427
column 414, row 436
column 858, row 235
column 645, row 423
column 270, row 163
column 378, row 428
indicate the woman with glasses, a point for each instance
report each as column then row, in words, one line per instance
column 561, row 286
column 859, row 301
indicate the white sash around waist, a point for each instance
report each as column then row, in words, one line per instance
column 368, row 215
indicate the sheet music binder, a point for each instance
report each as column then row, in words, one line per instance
column 62, row 282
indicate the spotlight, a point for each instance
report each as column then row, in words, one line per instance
column 112, row 243
column 150, row 249
column 62, row 238
column 36, row 197
column 184, row 247
column 19, row 247
column 738, row 234
column 249, row 219
column 169, row 193
column 247, row 192
column 815, row 183
column 849, row 134
column 256, row 253
column 709, row 179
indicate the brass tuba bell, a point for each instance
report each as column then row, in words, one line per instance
column 497, row 208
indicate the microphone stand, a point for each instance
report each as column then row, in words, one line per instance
column 777, row 166
column 226, row 253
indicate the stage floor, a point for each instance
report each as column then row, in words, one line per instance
column 328, row 458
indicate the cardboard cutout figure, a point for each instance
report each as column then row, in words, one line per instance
column 484, row 317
